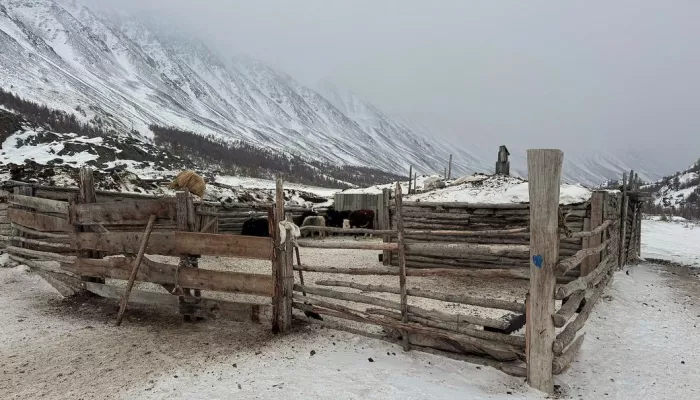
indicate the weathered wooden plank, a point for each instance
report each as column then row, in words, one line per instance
column 569, row 263
column 347, row 245
column 430, row 294
column 544, row 174
column 208, row 308
column 39, row 204
column 585, row 282
column 130, row 212
column 566, row 336
column 42, row 255
column 471, row 273
column 563, row 361
column 39, row 222
column 568, row 309
column 164, row 274
column 496, row 349
column 588, row 233
column 176, row 243
column 135, row 268
column 423, row 204
column 36, row 242
column 461, row 250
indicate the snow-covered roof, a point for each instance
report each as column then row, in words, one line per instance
column 496, row 189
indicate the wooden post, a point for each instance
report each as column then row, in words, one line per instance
column 623, row 221
column 402, row 266
column 288, row 281
column 449, row 168
column 639, row 231
column 528, row 327
column 597, row 203
column 185, row 222
column 281, row 316
column 544, row 174
column 631, row 184
column 86, row 194
column 415, row 181
column 22, row 191
column 410, row 175
column 385, row 222
column 135, row 268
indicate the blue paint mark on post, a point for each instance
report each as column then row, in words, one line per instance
column 537, row 260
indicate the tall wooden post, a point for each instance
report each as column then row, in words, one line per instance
column 415, row 181
column 402, row 266
column 544, row 174
column 410, row 175
column 623, row 221
column 86, row 194
column 385, row 222
column 281, row 267
column 185, row 222
column 449, row 168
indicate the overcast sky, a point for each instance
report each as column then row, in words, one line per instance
column 524, row 73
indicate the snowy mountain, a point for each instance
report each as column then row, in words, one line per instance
column 681, row 190
column 116, row 72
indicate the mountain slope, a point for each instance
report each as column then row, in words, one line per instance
column 117, row 73
column 680, row 191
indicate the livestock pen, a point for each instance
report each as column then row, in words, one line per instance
column 506, row 285
column 506, row 294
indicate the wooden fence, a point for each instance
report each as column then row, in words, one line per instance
column 570, row 254
column 96, row 241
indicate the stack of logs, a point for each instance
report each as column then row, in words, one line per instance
column 491, row 224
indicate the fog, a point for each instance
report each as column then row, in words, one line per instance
column 575, row 75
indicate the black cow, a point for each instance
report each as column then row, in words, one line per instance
column 298, row 221
column 335, row 218
column 362, row 219
column 256, row 227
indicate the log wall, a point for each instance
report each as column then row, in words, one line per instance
column 481, row 217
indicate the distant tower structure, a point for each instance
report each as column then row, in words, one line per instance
column 503, row 165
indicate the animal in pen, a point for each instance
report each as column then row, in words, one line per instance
column 314, row 221
column 299, row 220
column 334, row 218
column 256, row 227
column 362, row 219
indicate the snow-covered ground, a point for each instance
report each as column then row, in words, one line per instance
column 641, row 343
column 256, row 183
column 677, row 241
column 642, row 339
column 496, row 189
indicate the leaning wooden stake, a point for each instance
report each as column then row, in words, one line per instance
column 544, row 174
column 135, row 268
column 402, row 267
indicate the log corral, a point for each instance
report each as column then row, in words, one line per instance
column 428, row 295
